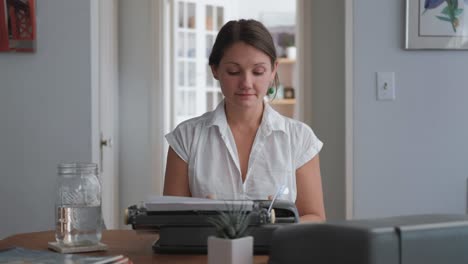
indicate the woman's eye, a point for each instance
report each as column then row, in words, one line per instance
column 233, row 72
column 258, row 73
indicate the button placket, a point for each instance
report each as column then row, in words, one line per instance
column 256, row 148
column 234, row 156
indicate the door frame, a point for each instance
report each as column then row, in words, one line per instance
column 160, row 107
column 159, row 119
column 305, row 112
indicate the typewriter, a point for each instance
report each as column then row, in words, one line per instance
column 184, row 227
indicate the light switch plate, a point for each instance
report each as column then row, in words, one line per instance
column 385, row 86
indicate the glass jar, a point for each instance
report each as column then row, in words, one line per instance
column 78, row 205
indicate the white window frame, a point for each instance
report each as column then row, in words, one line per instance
column 200, row 60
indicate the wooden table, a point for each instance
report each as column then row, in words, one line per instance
column 135, row 245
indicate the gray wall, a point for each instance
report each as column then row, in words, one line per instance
column 327, row 98
column 45, row 114
column 134, row 90
column 411, row 154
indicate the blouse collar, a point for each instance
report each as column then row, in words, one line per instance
column 271, row 120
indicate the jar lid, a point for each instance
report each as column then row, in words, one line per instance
column 77, row 167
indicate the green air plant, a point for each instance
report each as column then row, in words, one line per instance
column 231, row 224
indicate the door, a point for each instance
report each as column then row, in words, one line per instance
column 104, row 85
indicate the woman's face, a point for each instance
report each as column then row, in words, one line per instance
column 244, row 74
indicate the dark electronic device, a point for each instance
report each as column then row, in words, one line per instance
column 183, row 224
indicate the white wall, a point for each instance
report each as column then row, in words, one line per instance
column 45, row 114
column 411, row 154
column 135, row 93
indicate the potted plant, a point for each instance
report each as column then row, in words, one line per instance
column 287, row 43
column 232, row 244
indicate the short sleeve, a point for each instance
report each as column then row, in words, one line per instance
column 307, row 145
column 180, row 140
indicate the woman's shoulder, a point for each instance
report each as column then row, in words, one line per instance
column 294, row 126
column 203, row 123
column 198, row 122
column 302, row 137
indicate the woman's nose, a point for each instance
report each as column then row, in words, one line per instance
column 246, row 82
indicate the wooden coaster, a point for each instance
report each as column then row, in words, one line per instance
column 55, row 246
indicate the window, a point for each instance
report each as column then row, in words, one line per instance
column 194, row 91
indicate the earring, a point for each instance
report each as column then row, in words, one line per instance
column 271, row 91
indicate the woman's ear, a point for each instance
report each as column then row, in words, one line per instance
column 214, row 71
column 274, row 70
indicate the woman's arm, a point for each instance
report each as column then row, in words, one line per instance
column 309, row 201
column 176, row 182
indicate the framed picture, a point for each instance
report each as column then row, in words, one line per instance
column 17, row 26
column 436, row 24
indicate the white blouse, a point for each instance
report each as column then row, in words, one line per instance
column 206, row 144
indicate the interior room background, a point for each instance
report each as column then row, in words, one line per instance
column 410, row 155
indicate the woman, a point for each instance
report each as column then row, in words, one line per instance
column 244, row 149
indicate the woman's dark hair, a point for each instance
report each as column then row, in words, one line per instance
column 248, row 31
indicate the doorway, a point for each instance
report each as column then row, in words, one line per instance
column 325, row 94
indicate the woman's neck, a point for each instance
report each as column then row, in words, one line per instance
column 244, row 117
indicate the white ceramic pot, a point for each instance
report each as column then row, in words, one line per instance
column 291, row 53
column 230, row 251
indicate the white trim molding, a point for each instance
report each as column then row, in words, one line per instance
column 304, row 60
column 159, row 102
column 94, row 53
column 349, row 108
